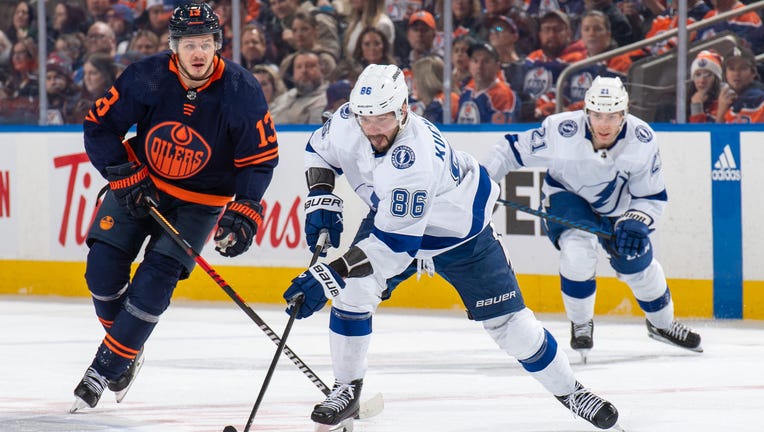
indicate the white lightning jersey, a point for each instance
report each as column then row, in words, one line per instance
column 626, row 176
column 428, row 197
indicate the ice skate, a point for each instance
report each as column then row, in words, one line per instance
column 121, row 386
column 590, row 407
column 678, row 335
column 343, row 426
column 582, row 338
column 88, row 391
column 337, row 411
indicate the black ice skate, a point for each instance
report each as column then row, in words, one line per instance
column 678, row 334
column 88, row 391
column 590, row 407
column 339, row 408
column 582, row 338
column 123, row 384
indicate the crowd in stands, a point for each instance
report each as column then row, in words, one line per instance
column 506, row 55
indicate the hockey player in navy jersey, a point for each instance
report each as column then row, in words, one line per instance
column 428, row 204
column 604, row 170
column 205, row 144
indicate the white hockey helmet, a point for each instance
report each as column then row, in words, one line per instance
column 606, row 95
column 380, row 89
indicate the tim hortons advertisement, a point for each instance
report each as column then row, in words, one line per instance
column 59, row 189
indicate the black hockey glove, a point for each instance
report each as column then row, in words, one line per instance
column 131, row 185
column 237, row 227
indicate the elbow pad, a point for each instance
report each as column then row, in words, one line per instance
column 320, row 178
column 354, row 263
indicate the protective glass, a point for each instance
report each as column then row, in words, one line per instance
column 605, row 118
column 377, row 124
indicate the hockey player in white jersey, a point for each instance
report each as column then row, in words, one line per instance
column 428, row 204
column 604, row 170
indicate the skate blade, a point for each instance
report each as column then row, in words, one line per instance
column 659, row 338
column 78, row 405
column 371, row 407
column 617, row 427
column 584, row 353
column 119, row 395
column 343, row 426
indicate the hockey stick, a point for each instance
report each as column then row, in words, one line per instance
column 295, row 303
column 175, row 235
column 557, row 219
column 369, row 408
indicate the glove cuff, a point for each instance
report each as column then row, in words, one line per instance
column 328, row 278
column 250, row 209
column 126, row 182
column 636, row 215
column 320, row 200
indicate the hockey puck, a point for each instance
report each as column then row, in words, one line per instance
column 229, row 428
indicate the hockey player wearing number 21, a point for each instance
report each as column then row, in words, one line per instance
column 604, row 170
column 204, row 137
column 428, row 205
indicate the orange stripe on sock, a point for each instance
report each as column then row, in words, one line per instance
column 118, row 348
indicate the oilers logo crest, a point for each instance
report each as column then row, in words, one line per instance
column 579, row 85
column 468, row 113
column 176, row 151
column 537, row 81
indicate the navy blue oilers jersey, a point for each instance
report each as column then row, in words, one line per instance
column 201, row 145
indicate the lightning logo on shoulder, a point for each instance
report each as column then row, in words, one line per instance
column 643, row 134
column 345, row 111
column 403, row 157
column 568, row 128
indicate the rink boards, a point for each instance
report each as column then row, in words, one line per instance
column 709, row 240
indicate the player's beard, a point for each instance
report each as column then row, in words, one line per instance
column 382, row 142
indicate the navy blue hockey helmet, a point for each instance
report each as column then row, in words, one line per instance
column 194, row 19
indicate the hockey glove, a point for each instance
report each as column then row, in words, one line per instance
column 237, row 227
column 323, row 210
column 632, row 233
column 316, row 284
column 131, row 185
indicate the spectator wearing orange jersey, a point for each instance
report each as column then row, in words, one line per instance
column 742, row 101
column 667, row 19
column 543, row 66
column 597, row 38
column 487, row 98
column 428, row 97
column 747, row 26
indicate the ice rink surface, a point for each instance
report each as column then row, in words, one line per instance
column 438, row 372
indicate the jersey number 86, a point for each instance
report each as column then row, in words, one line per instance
column 404, row 202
